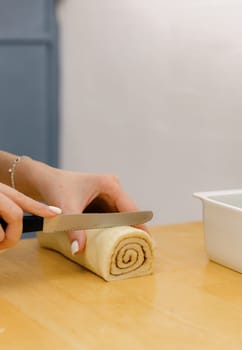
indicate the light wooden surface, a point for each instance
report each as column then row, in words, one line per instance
column 48, row 302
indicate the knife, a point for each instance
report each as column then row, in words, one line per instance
column 63, row 222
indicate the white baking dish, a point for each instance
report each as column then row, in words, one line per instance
column 222, row 219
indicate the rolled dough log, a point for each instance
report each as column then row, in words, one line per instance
column 113, row 253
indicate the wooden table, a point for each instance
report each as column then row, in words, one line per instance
column 48, row 302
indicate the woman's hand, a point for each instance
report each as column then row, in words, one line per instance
column 12, row 206
column 73, row 192
column 77, row 192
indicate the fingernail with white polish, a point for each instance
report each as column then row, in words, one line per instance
column 55, row 210
column 74, row 247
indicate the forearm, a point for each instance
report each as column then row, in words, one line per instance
column 29, row 174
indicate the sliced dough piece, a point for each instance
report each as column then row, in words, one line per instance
column 112, row 253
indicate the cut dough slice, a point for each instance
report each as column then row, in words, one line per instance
column 112, row 253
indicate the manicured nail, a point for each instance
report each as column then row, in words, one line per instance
column 55, row 210
column 74, row 247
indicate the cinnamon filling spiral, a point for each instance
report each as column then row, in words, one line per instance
column 129, row 255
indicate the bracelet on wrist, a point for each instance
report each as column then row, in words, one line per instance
column 13, row 167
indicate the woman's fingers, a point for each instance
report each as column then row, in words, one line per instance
column 28, row 204
column 122, row 201
column 111, row 197
column 13, row 215
column 125, row 203
column 77, row 238
column 12, row 206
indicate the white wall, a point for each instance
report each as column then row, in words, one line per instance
column 151, row 91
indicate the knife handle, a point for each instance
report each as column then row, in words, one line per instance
column 31, row 223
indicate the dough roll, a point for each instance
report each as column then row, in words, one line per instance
column 112, row 253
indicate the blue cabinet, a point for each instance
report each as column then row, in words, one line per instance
column 29, row 79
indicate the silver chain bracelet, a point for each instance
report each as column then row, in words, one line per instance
column 12, row 170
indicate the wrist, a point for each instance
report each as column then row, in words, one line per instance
column 32, row 177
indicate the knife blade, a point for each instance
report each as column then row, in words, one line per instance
column 63, row 222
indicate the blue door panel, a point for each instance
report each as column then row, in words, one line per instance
column 24, row 17
column 29, row 79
